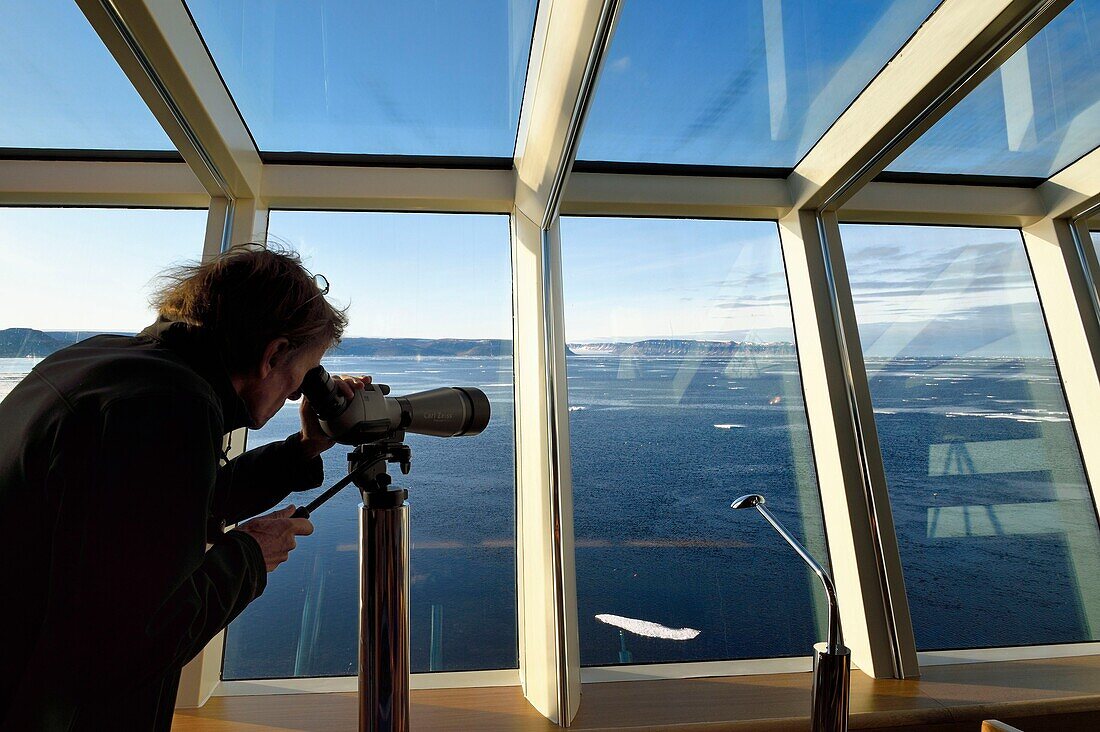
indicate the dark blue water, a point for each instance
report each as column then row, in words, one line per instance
column 660, row 448
column 996, row 526
column 462, row 504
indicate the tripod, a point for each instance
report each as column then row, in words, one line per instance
column 383, row 581
column 383, row 585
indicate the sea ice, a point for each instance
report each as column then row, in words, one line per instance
column 648, row 629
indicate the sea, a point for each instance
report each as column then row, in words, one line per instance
column 996, row 527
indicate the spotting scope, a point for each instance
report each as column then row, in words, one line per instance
column 450, row 411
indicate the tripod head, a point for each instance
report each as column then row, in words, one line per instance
column 367, row 462
column 375, row 424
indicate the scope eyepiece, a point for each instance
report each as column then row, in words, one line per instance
column 319, row 388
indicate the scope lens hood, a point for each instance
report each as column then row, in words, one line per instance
column 479, row 413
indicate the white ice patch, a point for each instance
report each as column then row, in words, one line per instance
column 648, row 629
column 730, row 426
column 1024, row 418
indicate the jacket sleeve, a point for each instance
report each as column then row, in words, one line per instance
column 138, row 594
column 261, row 478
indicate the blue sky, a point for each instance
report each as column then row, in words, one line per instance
column 918, row 290
column 60, row 88
column 414, row 77
column 88, row 269
column 628, row 279
column 934, row 290
column 409, row 275
column 1038, row 113
column 733, row 82
column 738, row 82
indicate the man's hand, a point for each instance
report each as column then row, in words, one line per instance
column 314, row 439
column 275, row 534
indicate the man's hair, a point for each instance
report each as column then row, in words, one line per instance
column 246, row 298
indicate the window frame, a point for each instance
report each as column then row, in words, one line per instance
column 163, row 56
column 420, row 680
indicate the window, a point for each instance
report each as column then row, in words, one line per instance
column 736, row 83
column 995, row 523
column 1037, row 114
column 70, row 273
column 412, row 77
column 684, row 393
column 60, row 88
column 430, row 305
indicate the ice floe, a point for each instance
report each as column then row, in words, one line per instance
column 647, row 628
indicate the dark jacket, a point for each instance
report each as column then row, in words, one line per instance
column 109, row 480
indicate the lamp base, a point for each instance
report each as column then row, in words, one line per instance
column 832, row 674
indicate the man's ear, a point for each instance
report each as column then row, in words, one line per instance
column 274, row 354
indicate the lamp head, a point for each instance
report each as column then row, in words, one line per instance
column 752, row 500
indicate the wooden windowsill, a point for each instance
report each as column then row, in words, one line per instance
column 1061, row 693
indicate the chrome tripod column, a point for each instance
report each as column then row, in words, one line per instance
column 832, row 661
column 384, row 611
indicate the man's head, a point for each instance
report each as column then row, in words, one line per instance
column 265, row 316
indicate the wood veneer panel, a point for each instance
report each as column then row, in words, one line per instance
column 497, row 709
column 1062, row 694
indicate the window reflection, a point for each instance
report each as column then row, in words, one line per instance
column 994, row 517
column 1035, row 115
column 736, row 83
column 684, row 393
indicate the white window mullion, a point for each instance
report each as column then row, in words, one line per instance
column 862, row 546
column 547, row 605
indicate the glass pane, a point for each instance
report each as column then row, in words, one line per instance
column 738, row 83
column 995, row 522
column 70, row 273
column 1035, row 115
column 444, row 280
column 403, row 78
column 61, row 89
column 684, row 393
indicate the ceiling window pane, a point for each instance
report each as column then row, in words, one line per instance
column 61, row 89
column 738, row 83
column 72, row 273
column 684, row 393
column 1035, row 115
column 430, row 304
column 414, row 77
column 994, row 518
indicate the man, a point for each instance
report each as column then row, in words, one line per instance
column 113, row 496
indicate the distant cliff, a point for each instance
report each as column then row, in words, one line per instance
column 392, row 347
column 22, row 342
column 28, row 342
column 681, row 348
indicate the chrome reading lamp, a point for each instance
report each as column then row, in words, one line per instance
column 832, row 661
